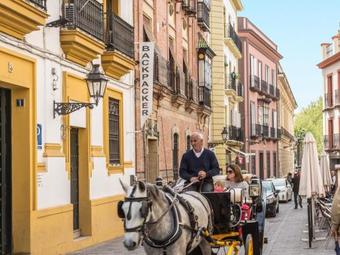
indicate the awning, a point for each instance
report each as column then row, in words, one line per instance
column 245, row 154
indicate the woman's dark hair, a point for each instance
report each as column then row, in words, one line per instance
column 237, row 171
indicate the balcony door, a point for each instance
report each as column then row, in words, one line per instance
column 330, row 91
column 330, row 133
column 75, row 179
column 5, row 173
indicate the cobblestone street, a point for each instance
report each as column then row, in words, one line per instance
column 285, row 233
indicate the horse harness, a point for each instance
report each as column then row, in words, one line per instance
column 175, row 234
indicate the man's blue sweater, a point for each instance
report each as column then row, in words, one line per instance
column 191, row 165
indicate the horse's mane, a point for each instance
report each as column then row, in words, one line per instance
column 153, row 191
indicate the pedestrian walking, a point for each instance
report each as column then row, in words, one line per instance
column 199, row 165
column 335, row 220
column 333, row 185
column 290, row 178
column 296, row 184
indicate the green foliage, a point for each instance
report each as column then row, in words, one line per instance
column 310, row 119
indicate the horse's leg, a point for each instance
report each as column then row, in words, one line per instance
column 205, row 247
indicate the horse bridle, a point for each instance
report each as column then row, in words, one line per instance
column 144, row 210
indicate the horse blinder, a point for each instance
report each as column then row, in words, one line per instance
column 120, row 210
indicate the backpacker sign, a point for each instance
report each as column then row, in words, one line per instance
column 146, row 79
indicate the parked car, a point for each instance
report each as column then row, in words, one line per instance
column 271, row 196
column 284, row 187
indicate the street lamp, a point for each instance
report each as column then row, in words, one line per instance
column 224, row 134
column 96, row 84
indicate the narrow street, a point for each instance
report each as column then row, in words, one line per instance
column 284, row 232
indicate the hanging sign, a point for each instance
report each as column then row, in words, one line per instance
column 146, row 79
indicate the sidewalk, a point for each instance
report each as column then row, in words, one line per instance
column 284, row 233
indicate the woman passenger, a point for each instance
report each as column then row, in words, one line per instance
column 235, row 179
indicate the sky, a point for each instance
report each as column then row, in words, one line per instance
column 298, row 27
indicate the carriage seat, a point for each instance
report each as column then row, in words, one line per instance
column 220, row 204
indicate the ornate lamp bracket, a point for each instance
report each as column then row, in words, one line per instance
column 67, row 108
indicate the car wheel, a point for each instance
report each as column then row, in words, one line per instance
column 274, row 213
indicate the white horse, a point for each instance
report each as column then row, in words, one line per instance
column 162, row 223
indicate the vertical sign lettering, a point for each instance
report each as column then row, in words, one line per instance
column 146, row 79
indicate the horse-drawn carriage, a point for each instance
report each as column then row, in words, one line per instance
column 166, row 222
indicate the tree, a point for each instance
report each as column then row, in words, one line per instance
column 310, row 119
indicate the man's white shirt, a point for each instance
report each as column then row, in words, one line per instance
column 198, row 154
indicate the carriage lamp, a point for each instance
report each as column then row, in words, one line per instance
column 224, row 134
column 96, row 84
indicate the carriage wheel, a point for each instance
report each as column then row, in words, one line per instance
column 249, row 245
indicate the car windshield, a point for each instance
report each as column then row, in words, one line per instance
column 267, row 186
column 279, row 182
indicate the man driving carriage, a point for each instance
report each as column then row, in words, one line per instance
column 199, row 165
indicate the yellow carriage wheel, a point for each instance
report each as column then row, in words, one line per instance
column 249, row 245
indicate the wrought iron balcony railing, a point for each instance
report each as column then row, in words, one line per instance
column 258, row 130
column 86, row 15
column 264, row 86
column 336, row 97
column 160, row 69
column 254, row 82
column 265, row 131
column 328, row 100
column 233, row 35
column 231, row 84
column 336, row 141
column 203, row 15
column 40, row 3
column 235, row 133
column 204, row 96
column 121, row 36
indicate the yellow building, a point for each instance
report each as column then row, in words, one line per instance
column 60, row 169
column 227, row 90
column 287, row 105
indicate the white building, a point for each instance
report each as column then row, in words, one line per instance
column 330, row 66
column 60, row 174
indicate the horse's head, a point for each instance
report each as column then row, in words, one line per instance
column 135, row 211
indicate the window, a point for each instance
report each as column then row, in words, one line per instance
column 252, row 118
column 260, row 70
column 273, row 78
column 260, row 113
column 266, row 114
column 114, row 134
column 188, row 143
column 266, row 74
column 268, row 164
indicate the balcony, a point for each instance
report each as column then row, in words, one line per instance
column 232, row 40
column 160, row 70
column 336, row 97
column 264, row 87
column 19, row 18
column 204, row 96
column 336, row 142
column 82, row 37
column 265, row 131
column 118, row 60
column 235, row 133
column 258, row 130
column 234, row 89
column 255, row 83
column 189, row 7
column 328, row 100
column 203, row 15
